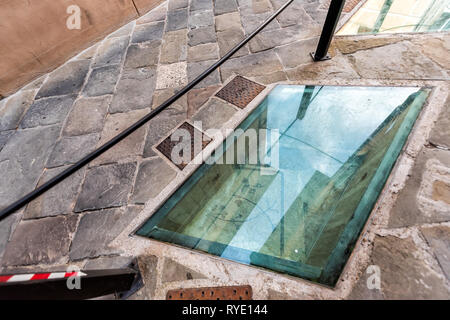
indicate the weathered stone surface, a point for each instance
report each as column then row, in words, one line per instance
column 338, row 67
column 123, row 31
column 269, row 78
column 295, row 15
column 436, row 49
column 214, row 114
column 201, row 36
column 68, row 79
column 227, row 21
column 201, row 5
column 111, row 51
column 148, row 32
column 171, row 75
column 174, row 271
column 440, row 135
column 128, row 147
column 276, row 295
column 40, row 241
column 59, row 199
column 104, row 263
column 147, row 266
column 6, row 228
column 297, row 53
column 71, row 149
column 87, row 116
column 134, row 90
column 441, row 191
column 22, row 160
column 396, row 61
column 404, row 271
column 412, row 207
column 347, row 46
column 47, row 111
column 142, row 55
column 228, row 39
column 248, row 7
column 178, row 4
column 198, row 19
column 153, row 176
column 438, row 238
column 361, row 291
column 224, row 6
column 202, row 52
column 102, row 81
column 12, row 109
column 4, row 136
column 197, row 97
column 89, row 53
column 174, row 46
column 160, row 126
column 153, row 16
column 257, row 64
column 106, row 186
column 177, row 19
column 251, row 22
column 97, row 229
column 194, row 69
column 162, row 95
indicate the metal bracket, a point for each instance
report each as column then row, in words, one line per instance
column 137, row 284
column 313, row 54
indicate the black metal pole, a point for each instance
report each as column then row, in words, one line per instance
column 78, row 165
column 333, row 15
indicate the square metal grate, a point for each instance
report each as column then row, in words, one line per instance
column 167, row 145
column 240, row 91
column 212, row 293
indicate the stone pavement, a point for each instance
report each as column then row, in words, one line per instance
column 56, row 120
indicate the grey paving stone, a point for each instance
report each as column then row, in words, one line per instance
column 131, row 145
column 22, row 160
column 197, row 97
column 35, row 84
column 194, row 69
column 174, row 46
column 6, row 228
column 164, row 94
column 105, row 263
column 228, row 21
column 68, row 79
column 252, row 22
column 361, row 292
column 404, row 272
column 257, row 64
column 174, row 271
column 97, row 229
column 147, row 265
column 12, row 109
column 201, row 5
column 224, row 6
column 123, row 31
column 4, row 136
column 438, row 238
column 153, row 176
column 153, row 16
column 148, row 32
column 47, row 111
column 106, row 186
column 40, row 241
column 143, row 55
column 111, row 51
column 59, row 199
column 89, row 53
column 87, row 116
column 294, row 14
column 214, row 114
column 102, row 81
column 160, row 126
column 249, row 7
column 178, row 4
column 440, row 135
column 198, row 19
column 297, row 53
column 201, row 36
column 407, row 210
column 436, row 49
column 177, row 19
column 203, row 52
column 401, row 60
column 172, row 75
column 134, row 90
column 228, row 39
column 69, row 150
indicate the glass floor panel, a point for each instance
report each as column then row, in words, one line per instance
column 323, row 155
column 394, row 16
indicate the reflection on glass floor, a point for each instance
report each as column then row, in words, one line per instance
column 395, row 16
column 329, row 151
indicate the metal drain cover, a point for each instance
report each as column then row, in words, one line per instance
column 212, row 293
column 167, row 145
column 240, row 91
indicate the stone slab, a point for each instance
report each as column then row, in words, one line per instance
column 148, row 32
column 438, row 239
column 214, row 114
column 12, row 109
column 102, row 81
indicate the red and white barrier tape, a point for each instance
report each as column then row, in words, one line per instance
column 39, row 276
